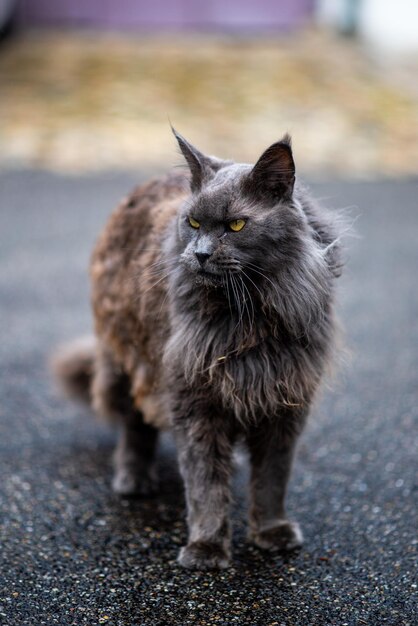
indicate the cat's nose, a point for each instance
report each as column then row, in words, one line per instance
column 202, row 257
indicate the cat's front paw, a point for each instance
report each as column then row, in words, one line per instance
column 203, row 555
column 129, row 483
column 283, row 536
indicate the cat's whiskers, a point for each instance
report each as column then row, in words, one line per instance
column 252, row 318
column 253, row 267
column 244, row 302
column 166, row 275
column 156, row 267
column 242, row 297
column 225, row 283
column 238, row 302
column 139, row 248
column 235, row 299
column 160, row 280
column 162, row 305
column 155, row 271
column 253, row 283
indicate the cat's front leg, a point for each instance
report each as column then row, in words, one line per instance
column 271, row 445
column 204, row 441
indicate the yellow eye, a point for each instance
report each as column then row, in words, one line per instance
column 193, row 223
column 236, row 225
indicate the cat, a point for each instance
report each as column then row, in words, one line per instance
column 213, row 301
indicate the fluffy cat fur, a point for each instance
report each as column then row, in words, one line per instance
column 220, row 334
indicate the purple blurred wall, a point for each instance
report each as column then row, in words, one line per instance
column 168, row 14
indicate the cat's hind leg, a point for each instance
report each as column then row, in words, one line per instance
column 134, row 459
column 271, row 445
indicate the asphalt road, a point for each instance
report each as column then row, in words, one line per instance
column 72, row 553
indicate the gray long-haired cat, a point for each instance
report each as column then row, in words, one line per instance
column 213, row 305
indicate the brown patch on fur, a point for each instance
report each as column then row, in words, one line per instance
column 129, row 290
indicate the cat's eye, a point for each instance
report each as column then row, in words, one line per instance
column 193, row 223
column 237, row 225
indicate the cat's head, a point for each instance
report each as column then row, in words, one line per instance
column 238, row 218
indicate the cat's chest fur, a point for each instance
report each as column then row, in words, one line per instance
column 249, row 371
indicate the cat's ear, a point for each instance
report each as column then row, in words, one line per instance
column 202, row 167
column 274, row 172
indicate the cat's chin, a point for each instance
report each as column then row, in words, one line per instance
column 208, row 279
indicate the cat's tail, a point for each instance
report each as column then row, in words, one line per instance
column 73, row 366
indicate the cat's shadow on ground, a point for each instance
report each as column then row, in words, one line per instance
column 87, row 467
column 151, row 529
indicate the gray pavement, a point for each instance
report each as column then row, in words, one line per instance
column 72, row 553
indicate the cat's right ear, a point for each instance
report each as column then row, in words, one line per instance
column 201, row 166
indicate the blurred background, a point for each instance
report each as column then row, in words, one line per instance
column 87, row 85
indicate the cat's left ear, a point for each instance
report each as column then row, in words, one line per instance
column 202, row 167
column 274, row 172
